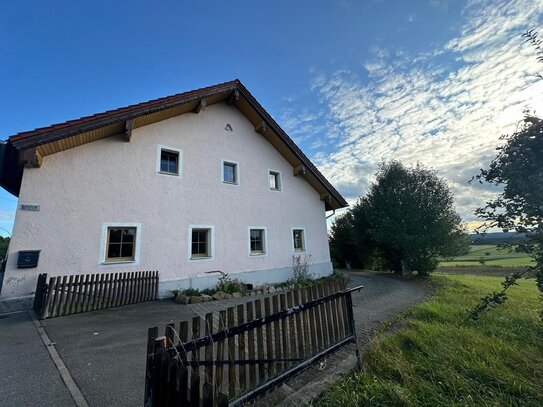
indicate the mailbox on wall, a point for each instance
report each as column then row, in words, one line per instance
column 28, row 259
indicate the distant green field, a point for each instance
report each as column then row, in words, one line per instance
column 492, row 256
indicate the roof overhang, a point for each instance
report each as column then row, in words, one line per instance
column 28, row 149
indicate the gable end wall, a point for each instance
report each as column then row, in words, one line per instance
column 113, row 181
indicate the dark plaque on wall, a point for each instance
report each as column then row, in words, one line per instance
column 28, row 259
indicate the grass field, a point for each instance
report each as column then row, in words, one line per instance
column 492, row 255
column 440, row 358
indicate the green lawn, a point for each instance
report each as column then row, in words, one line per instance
column 439, row 358
column 492, row 255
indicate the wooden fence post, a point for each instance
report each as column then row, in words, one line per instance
column 220, row 355
column 242, row 350
column 208, row 354
column 260, row 343
column 251, row 347
column 40, row 295
column 195, row 371
column 231, row 354
column 152, row 334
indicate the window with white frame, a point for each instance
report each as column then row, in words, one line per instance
column 230, row 172
column 298, row 240
column 257, row 240
column 201, row 241
column 274, row 180
column 169, row 160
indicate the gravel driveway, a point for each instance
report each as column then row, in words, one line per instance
column 383, row 297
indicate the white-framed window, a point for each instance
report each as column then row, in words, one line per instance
column 298, row 240
column 230, row 172
column 274, row 180
column 169, row 161
column 201, row 242
column 120, row 243
column 258, row 241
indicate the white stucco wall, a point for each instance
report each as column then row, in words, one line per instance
column 81, row 189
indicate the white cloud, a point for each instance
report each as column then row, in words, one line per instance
column 448, row 117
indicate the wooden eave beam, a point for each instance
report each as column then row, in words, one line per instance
column 298, row 170
column 326, row 198
column 234, row 97
column 261, row 127
column 31, row 158
column 201, row 106
column 128, row 127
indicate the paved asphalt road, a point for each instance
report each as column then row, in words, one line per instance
column 104, row 351
column 28, row 376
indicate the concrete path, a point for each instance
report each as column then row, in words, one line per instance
column 28, row 375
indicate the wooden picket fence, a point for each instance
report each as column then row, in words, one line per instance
column 253, row 349
column 65, row 295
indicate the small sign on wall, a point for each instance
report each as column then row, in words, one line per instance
column 32, row 208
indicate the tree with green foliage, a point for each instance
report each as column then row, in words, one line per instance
column 342, row 247
column 4, row 243
column 411, row 218
column 407, row 218
column 518, row 168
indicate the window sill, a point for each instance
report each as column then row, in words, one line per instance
column 170, row 174
column 276, row 189
column 201, row 258
column 258, row 254
column 117, row 262
column 230, row 183
column 299, row 251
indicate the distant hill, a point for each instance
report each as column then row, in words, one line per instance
column 497, row 238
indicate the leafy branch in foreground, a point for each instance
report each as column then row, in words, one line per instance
column 497, row 297
column 518, row 168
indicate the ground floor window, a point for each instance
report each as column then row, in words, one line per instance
column 298, row 240
column 257, row 240
column 201, row 239
column 120, row 242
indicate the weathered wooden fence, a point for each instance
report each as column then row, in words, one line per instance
column 253, row 348
column 64, row 295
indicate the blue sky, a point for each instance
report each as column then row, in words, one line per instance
column 353, row 82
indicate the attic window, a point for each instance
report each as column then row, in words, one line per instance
column 230, row 172
column 275, row 180
column 169, row 161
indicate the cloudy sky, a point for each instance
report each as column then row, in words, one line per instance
column 353, row 82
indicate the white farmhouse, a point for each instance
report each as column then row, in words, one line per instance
column 187, row 184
